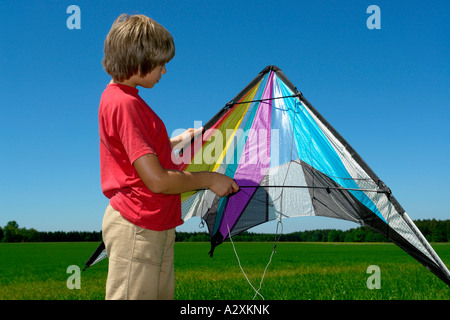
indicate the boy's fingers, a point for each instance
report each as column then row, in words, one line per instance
column 197, row 131
column 192, row 132
column 234, row 187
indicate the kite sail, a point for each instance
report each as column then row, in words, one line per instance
column 289, row 161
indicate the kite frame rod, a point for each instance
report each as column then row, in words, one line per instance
column 314, row 187
column 426, row 244
column 319, row 187
column 231, row 103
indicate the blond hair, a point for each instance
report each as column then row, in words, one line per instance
column 136, row 44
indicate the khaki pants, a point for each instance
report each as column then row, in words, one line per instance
column 140, row 260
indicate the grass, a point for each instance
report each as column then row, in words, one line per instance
column 310, row 271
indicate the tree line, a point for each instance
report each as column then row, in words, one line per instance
column 433, row 230
column 12, row 233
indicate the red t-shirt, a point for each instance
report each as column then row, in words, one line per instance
column 129, row 129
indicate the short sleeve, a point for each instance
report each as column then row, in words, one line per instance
column 134, row 128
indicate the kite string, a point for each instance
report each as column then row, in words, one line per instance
column 277, row 238
column 240, row 266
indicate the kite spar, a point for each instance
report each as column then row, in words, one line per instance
column 289, row 161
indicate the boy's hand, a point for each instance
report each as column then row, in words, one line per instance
column 181, row 140
column 222, row 185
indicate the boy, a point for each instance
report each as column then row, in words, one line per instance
column 137, row 172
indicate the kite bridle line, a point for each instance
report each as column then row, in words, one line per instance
column 277, row 238
column 240, row 266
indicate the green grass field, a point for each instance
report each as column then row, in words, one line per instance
column 316, row 271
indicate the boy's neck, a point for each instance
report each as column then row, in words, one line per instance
column 128, row 82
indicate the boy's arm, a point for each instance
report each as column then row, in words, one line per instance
column 159, row 180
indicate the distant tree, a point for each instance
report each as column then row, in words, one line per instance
column 360, row 234
column 29, row 235
column 349, row 237
column 333, row 236
column 447, row 229
column 373, row 236
column 11, row 232
column 439, row 233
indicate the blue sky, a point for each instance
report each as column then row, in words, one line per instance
column 386, row 91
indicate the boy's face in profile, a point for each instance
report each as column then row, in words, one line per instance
column 152, row 78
